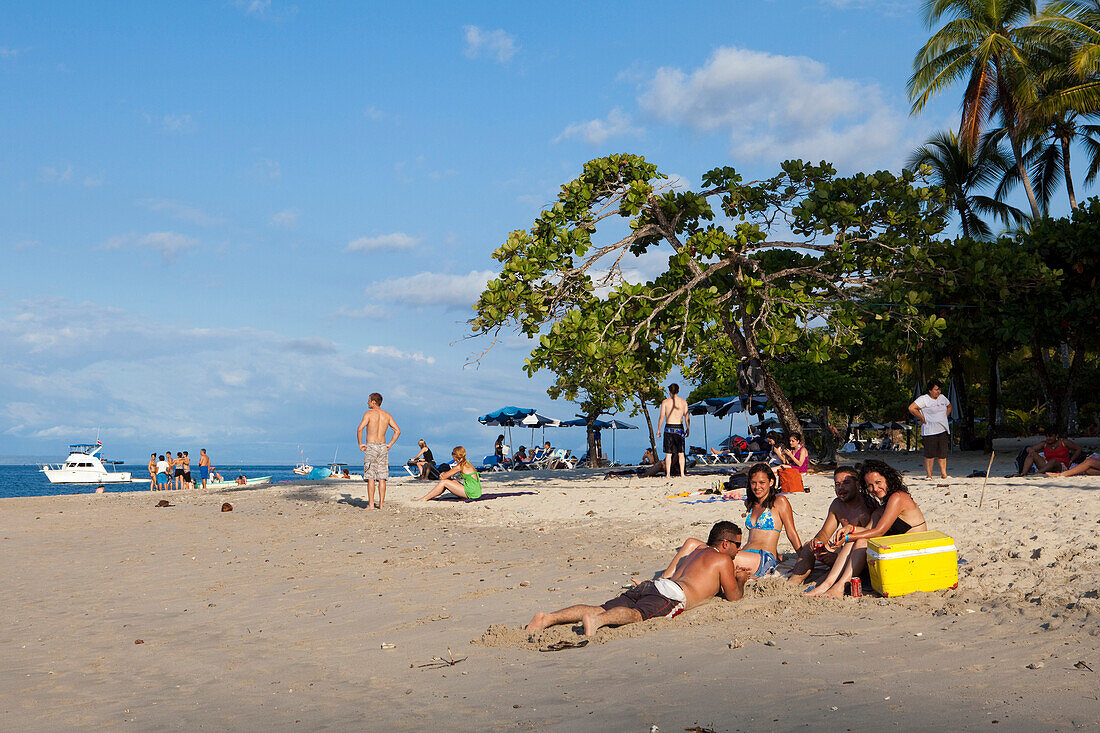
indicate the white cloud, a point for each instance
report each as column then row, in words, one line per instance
column 93, row 181
column 367, row 311
column 177, row 123
column 396, row 240
column 597, row 132
column 52, row 174
column 6, row 52
column 373, row 113
column 311, row 345
column 26, row 244
column 286, row 218
column 268, row 169
column 169, row 244
column 395, row 353
column 776, row 107
column 253, row 7
column 431, row 288
column 497, row 44
column 181, row 212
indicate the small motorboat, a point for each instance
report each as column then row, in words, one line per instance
column 233, row 484
column 85, row 466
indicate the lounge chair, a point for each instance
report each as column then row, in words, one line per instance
column 491, row 463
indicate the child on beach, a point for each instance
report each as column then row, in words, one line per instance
column 468, row 488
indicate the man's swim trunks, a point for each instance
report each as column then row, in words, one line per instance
column 650, row 600
column 204, row 472
column 674, row 438
column 376, row 461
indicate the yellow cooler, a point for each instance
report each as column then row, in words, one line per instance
column 903, row 563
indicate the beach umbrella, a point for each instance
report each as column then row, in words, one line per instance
column 956, row 405
column 535, row 420
column 506, row 417
column 615, row 425
column 709, row 406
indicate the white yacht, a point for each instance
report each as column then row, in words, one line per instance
column 84, row 466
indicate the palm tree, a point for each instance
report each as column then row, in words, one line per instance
column 1049, row 158
column 960, row 172
column 989, row 42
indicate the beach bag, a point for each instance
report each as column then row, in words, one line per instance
column 790, row 481
column 1020, row 458
column 737, row 481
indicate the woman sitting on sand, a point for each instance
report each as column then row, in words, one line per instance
column 469, row 488
column 1089, row 467
column 423, row 460
column 794, row 454
column 898, row 514
column 769, row 514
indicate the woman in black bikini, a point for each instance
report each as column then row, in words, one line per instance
column 898, row 514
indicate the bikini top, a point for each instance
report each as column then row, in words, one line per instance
column 900, row 526
column 764, row 522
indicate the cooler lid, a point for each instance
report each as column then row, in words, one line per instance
column 909, row 542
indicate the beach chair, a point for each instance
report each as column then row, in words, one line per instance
column 491, row 463
column 540, row 458
column 562, row 456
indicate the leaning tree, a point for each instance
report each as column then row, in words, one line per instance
column 797, row 261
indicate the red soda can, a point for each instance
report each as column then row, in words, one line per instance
column 857, row 588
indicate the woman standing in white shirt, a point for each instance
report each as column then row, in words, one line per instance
column 933, row 410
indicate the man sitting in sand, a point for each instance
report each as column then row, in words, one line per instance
column 697, row 572
column 376, row 451
column 851, row 506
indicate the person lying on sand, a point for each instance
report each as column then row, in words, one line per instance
column 899, row 514
column 469, row 488
column 697, row 572
column 769, row 514
column 851, row 506
column 1089, row 467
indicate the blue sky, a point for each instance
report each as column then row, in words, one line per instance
column 226, row 223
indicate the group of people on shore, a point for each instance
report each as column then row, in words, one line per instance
column 871, row 501
column 164, row 470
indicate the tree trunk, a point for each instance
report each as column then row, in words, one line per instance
column 1038, row 360
column 649, row 423
column 746, row 347
column 994, row 399
column 1065, row 171
column 828, row 442
column 958, row 374
column 1067, row 406
column 593, row 452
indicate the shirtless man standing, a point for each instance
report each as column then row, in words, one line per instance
column 851, row 506
column 204, row 466
column 376, row 451
column 697, row 572
column 676, row 421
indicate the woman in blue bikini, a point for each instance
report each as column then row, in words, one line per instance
column 769, row 514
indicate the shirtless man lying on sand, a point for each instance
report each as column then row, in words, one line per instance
column 850, row 505
column 697, row 572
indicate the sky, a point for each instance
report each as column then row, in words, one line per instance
column 224, row 224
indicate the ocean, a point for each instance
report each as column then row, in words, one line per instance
column 30, row 481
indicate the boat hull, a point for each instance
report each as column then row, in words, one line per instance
column 252, row 482
column 70, row 476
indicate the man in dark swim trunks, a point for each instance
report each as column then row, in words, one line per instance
column 676, row 421
column 699, row 571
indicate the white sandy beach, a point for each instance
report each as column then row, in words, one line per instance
column 275, row 615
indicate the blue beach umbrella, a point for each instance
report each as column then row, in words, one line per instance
column 506, row 417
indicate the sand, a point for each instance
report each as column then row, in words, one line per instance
column 300, row 610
